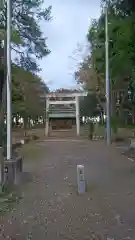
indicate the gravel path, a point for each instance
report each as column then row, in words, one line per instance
column 51, row 208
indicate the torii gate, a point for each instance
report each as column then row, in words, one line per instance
column 57, row 100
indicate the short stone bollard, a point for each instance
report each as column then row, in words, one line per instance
column 81, row 183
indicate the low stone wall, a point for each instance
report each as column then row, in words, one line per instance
column 125, row 133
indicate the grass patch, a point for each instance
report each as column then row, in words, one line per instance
column 130, row 127
column 8, row 199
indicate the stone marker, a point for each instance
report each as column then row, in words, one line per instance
column 81, row 183
column 132, row 144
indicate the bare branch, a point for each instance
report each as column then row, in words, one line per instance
column 17, row 51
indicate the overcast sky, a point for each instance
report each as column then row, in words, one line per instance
column 69, row 26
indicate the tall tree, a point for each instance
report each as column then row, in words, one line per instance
column 27, row 93
column 28, row 41
column 121, row 54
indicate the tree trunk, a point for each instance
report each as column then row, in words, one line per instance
column 113, row 104
column 25, row 119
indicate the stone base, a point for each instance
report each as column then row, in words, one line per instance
column 12, row 170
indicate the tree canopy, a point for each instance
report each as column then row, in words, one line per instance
column 121, row 31
column 28, row 45
column 28, row 40
column 27, row 93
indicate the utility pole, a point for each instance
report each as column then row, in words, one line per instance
column 108, row 124
column 9, row 113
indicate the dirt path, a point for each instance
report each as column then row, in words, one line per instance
column 51, row 209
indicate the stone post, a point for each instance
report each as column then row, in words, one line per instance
column 81, row 181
